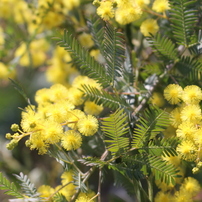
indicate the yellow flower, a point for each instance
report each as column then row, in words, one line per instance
column 86, row 40
column 191, row 113
column 75, row 96
column 58, row 92
column 191, row 186
column 175, row 117
column 148, row 27
column 52, row 131
column 105, row 10
column 192, row 94
column 70, row 4
column 187, row 150
column 172, row 93
column 88, row 126
column 81, row 80
column 163, row 197
column 45, row 191
column 73, row 117
column 71, row 140
column 92, row 109
column 160, row 5
column 157, row 99
column 186, row 130
column 182, row 196
column 142, row 3
column 127, row 12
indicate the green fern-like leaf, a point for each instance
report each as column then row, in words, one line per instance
column 78, row 181
column 115, row 128
column 27, row 187
column 190, row 68
column 164, row 47
column 113, row 51
column 183, row 17
column 96, row 26
column 59, row 198
column 81, row 57
column 151, row 164
column 11, row 188
column 155, row 121
column 112, row 101
column 131, row 185
column 162, row 146
column 153, row 68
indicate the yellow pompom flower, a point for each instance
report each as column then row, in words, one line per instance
column 45, row 191
column 157, row 99
column 191, row 186
column 182, row 196
column 71, row 140
column 84, row 80
column 161, row 196
column 105, row 10
column 70, row 188
column 186, row 130
column 172, row 93
column 187, row 150
column 175, row 117
column 148, row 27
column 71, row 4
column 75, row 96
column 30, row 119
column 88, row 126
column 42, row 96
column 160, row 6
column 58, row 92
column 92, row 109
column 191, row 113
column 127, row 12
column 36, row 141
column 86, row 40
column 142, row 3
column 192, row 94
column 73, row 117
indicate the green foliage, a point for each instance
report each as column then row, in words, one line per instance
column 114, row 49
column 59, row 198
column 27, row 187
column 83, row 60
column 190, row 68
column 183, row 17
column 11, row 188
column 164, row 47
column 152, row 123
column 107, row 99
column 116, row 128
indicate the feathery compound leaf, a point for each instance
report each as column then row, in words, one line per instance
column 190, row 68
column 28, row 188
column 183, row 18
column 104, row 98
column 115, row 128
column 5, row 184
column 153, row 164
column 96, row 26
column 155, row 121
column 113, row 51
column 81, row 57
column 162, row 146
column 164, row 47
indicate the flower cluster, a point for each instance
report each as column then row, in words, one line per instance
column 67, row 189
column 128, row 11
column 188, row 189
column 186, row 118
column 56, row 118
